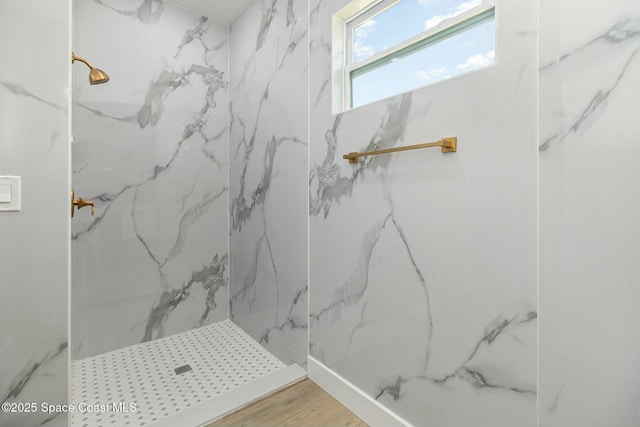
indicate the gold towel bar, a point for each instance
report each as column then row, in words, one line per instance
column 449, row 145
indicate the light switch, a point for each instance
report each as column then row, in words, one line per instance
column 9, row 193
column 5, row 193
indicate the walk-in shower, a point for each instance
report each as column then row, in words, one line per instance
column 151, row 335
column 485, row 288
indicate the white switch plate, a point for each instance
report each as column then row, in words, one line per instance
column 9, row 197
column 5, row 193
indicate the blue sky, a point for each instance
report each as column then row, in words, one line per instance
column 461, row 53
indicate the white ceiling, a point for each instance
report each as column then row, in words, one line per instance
column 223, row 11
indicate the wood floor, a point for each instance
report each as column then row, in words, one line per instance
column 303, row 404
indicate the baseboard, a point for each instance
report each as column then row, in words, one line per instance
column 369, row 411
column 226, row 403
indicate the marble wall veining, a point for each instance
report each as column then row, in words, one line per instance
column 151, row 150
column 423, row 264
column 589, row 211
column 268, row 180
column 34, row 276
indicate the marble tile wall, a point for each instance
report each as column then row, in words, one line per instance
column 423, row 264
column 268, row 180
column 589, row 210
column 34, row 117
column 151, row 150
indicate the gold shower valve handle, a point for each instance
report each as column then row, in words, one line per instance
column 80, row 203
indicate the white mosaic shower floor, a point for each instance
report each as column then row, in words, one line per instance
column 138, row 386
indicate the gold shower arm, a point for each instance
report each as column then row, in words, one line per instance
column 75, row 58
column 449, row 145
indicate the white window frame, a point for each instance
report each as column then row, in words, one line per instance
column 359, row 12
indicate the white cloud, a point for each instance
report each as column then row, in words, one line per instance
column 422, row 75
column 478, row 61
column 438, row 72
column 361, row 51
column 427, row 76
column 364, row 29
column 460, row 9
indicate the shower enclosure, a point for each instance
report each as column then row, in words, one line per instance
column 150, row 270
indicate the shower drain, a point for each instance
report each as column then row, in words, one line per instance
column 182, row 369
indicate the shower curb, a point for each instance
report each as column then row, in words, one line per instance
column 220, row 406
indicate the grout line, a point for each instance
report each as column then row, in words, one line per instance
column 538, row 212
column 307, row 178
column 69, row 185
column 229, row 168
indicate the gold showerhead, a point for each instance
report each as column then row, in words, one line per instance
column 96, row 75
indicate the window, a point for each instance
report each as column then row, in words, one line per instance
column 389, row 47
